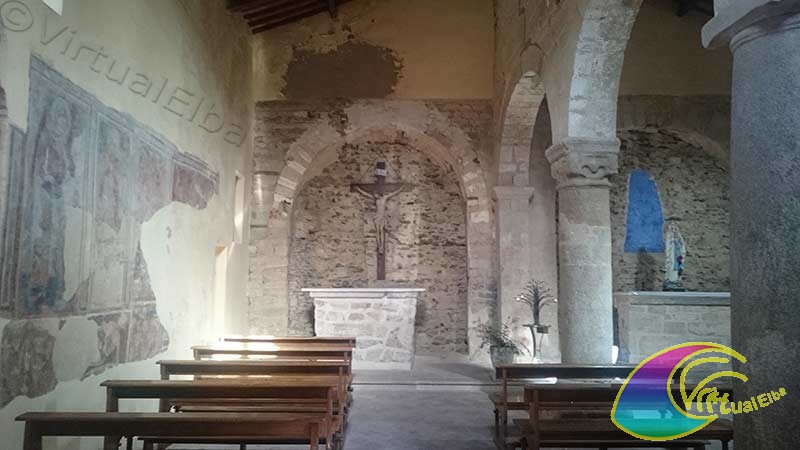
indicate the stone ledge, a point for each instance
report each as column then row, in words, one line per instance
column 674, row 298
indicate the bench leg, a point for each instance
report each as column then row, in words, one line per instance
column 314, row 438
column 111, row 443
column 242, row 446
column 724, row 445
column 33, row 440
column 148, row 445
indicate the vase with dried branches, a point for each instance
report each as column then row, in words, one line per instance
column 536, row 296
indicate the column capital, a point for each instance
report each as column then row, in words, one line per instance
column 513, row 193
column 583, row 162
column 739, row 21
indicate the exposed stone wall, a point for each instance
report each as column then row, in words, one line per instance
column 296, row 141
column 649, row 324
column 334, row 244
column 692, row 187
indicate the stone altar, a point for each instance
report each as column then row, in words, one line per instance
column 382, row 320
column 648, row 322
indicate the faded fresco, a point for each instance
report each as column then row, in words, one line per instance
column 82, row 180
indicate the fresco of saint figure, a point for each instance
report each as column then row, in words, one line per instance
column 53, row 166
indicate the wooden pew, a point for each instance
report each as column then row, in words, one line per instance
column 504, row 402
column 236, row 396
column 258, row 368
column 599, row 432
column 224, row 426
column 265, row 350
column 336, row 340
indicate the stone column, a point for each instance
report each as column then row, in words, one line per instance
column 514, row 253
column 765, row 213
column 581, row 168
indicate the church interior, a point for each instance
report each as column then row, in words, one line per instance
column 399, row 224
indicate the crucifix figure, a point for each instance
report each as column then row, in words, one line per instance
column 380, row 192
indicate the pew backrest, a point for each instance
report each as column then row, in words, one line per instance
column 351, row 341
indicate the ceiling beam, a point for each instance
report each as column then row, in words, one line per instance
column 244, row 5
column 265, row 7
column 285, row 9
column 332, row 8
column 264, row 26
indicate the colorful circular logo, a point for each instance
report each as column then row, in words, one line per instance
column 645, row 406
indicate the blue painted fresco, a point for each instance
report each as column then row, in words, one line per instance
column 645, row 217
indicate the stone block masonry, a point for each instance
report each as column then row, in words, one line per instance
column 692, row 188
column 649, row 322
column 334, row 242
column 296, row 146
column 381, row 320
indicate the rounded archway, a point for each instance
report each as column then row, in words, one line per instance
column 517, row 131
column 333, row 233
column 434, row 135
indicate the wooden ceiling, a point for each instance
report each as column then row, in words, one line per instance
column 263, row 15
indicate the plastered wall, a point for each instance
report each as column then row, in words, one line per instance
column 665, row 56
column 128, row 122
column 401, row 49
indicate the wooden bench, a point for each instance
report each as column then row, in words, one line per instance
column 504, row 402
column 265, row 350
column 257, row 368
column 598, row 432
column 307, row 394
column 186, row 425
column 336, row 340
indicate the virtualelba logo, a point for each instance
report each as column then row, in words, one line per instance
column 648, row 389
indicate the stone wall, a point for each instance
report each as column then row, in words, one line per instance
column 650, row 322
column 334, row 244
column 297, row 141
column 692, row 187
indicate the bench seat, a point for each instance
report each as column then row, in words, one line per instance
column 586, row 432
column 305, row 427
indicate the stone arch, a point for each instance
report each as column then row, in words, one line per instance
column 4, row 133
column 429, row 132
column 5, row 152
column 596, row 70
column 305, row 163
column 519, row 119
column 703, row 121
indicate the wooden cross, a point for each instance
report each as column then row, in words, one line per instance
column 379, row 192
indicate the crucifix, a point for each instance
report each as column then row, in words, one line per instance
column 379, row 192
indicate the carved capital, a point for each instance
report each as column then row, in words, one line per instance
column 583, row 162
